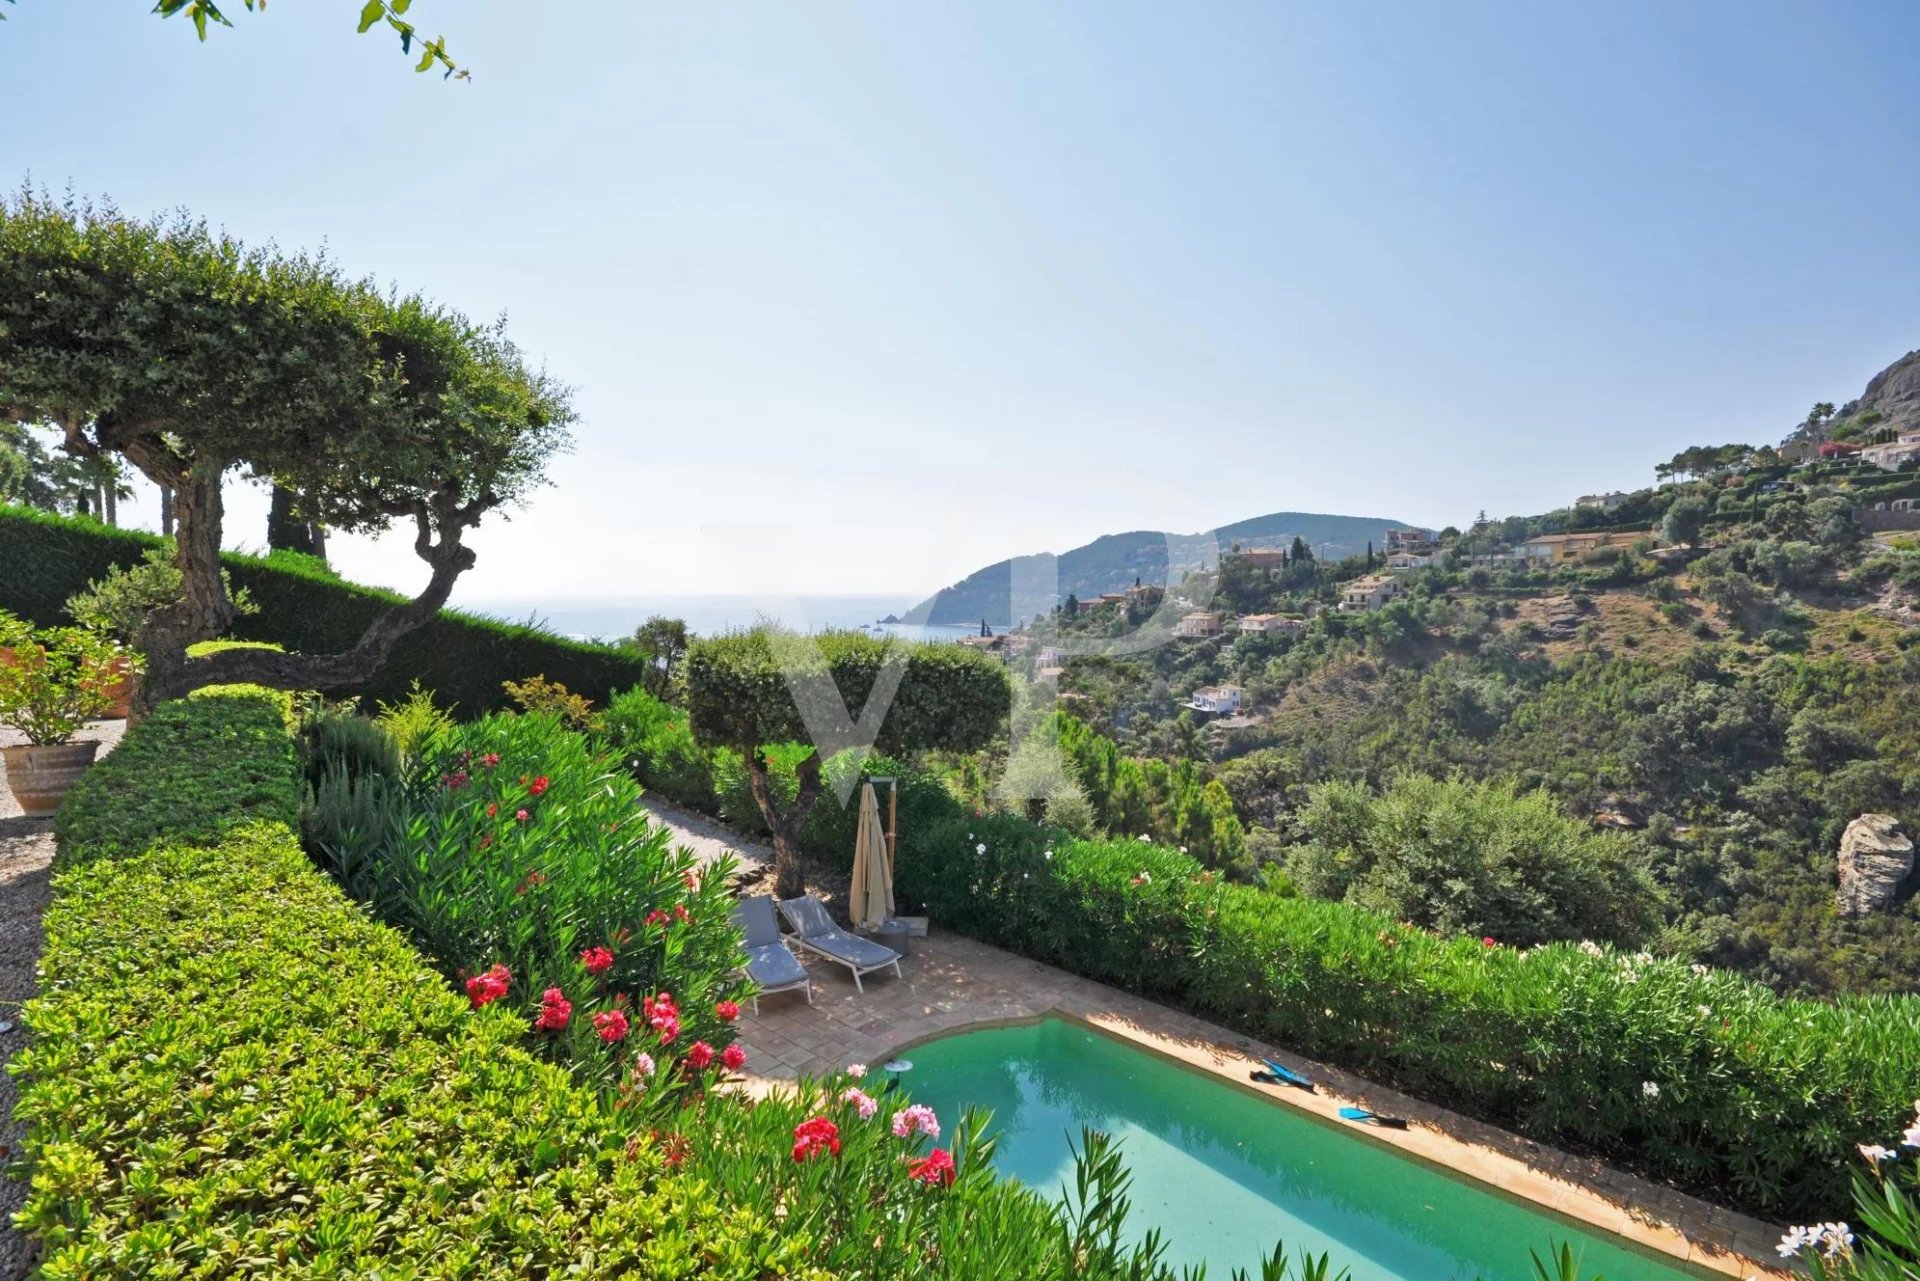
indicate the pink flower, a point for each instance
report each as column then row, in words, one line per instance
column 642, row 1066
column 611, row 1025
column 863, row 1103
column 521, row 816
column 814, row 1136
column 935, row 1169
column 490, row 760
column 700, row 1054
column 555, row 1010
column 916, row 1118
column 485, row 989
column 598, row 960
column 727, row 1011
column 733, row 1058
column 1488, row 942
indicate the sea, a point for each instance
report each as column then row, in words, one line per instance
column 714, row 615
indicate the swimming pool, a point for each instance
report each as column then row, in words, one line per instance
column 1224, row 1174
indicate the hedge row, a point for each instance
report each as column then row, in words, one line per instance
column 234, row 1072
column 1693, row 1076
column 461, row 657
column 191, row 772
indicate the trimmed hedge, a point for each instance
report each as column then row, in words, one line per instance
column 234, row 1072
column 1757, row 1101
column 191, row 772
column 463, row 658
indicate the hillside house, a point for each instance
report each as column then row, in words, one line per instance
column 1409, row 540
column 1375, row 591
column 1895, row 454
column 1262, row 624
column 1199, row 625
column 1560, row 549
column 1602, row 502
column 1259, row 557
column 1050, row 656
column 1217, row 700
column 1406, row 562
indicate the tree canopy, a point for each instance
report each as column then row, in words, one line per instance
column 842, row 690
column 192, row 355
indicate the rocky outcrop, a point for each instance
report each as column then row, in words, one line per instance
column 1561, row 616
column 1893, row 394
column 1875, row 857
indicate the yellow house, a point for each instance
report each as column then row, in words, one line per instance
column 1560, row 548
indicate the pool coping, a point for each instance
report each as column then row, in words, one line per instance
column 1721, row 1242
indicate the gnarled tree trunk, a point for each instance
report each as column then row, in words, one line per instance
column 785, row 823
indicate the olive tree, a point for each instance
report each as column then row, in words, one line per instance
column 192, row 356
column 755, row 690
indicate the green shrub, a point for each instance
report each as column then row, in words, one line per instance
column 309, row 610
column 657, row 743
column 1473, row 858
column 832, row 827
column 191, row 771
column 1757, row 1099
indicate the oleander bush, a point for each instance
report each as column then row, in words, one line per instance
column 516, row 843
column 306, row 608
column 192, row 771
column 1683, row 1073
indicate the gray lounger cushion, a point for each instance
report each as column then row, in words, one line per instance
column 818, row 931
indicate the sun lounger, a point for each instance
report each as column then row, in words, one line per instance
column 771, row 966
column 815, row 931
column 1361, row 1116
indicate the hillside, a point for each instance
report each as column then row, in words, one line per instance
column 1027, row 586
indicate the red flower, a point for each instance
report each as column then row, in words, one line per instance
column 733, row 1058
column 555, row 1010
column 520, row 816
column 657, row 917
column 611, row 1025
column 1488, row 942
column 700, row 1054
column 727, row 1011
column 539, row 785
column 680, row 910
column 487, row 839
column 490, row 760
column 814, row 1136
column 493, row 809
column 485, row 989
column 533, row 880
column 663, row 1016
column 692, row 882
column 935, row 1169
column 598, row 960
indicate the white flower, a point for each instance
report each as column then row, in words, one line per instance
column 1183, row 849
column 1698, row 969
column 1703, row 1010
column 1833, row 1240
column 856, row 1070
column 1650, row 1088
column 1147, row 839
column 1911, row 1139
column 1643, row 958
column 1875, row 1154
column 1592, row 948
column 642, row 1066
column 1146, row 876
column 981, row 848
column 1049, row 856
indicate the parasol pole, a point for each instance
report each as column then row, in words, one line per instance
column 893, row 818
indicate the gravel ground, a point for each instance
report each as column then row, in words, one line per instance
column 26, row 848
column 709, row 838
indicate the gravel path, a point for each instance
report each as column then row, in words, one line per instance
column 708, row 838
column 26, row 848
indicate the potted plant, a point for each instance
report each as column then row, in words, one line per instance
column 57, row 681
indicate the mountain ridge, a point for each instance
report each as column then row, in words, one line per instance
column 1011, row 591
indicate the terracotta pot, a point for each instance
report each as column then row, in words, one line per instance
column 42, row 776
column 121, row 691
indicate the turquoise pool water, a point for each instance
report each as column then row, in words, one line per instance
column 1224, row 1174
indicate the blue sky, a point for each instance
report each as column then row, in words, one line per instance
column 861, row 297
